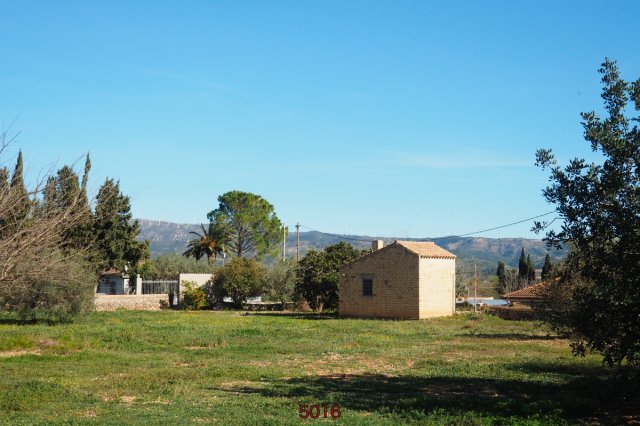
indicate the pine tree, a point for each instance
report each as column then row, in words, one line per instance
column 547, row 268
column 114, row 231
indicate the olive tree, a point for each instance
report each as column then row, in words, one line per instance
column 599, row 205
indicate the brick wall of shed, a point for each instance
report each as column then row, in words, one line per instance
column 437, row 287
column 395, row 285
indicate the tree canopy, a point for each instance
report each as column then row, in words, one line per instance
column 250, row 223
column 599, row 205
column 39, row 274
column 115, row 232
column 317, row 274
column 210, row 243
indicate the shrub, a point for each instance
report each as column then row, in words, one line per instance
column 194, row 298
column 239, row 279
column 67, row 291
column 279, row 281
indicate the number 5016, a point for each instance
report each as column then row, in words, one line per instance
column 315, row 411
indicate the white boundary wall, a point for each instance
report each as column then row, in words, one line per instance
column 199, row 279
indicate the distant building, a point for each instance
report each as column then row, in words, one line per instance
column 406, row 279
column 531, row 296
column 113, row 281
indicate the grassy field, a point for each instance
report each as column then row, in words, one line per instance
column 232, row 368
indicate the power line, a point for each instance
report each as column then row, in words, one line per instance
column 446, row 237
column 494, row 228
column 336, row 235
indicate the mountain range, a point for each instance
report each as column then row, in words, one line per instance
column 169, row 237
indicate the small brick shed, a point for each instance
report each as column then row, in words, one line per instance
column 406, row 279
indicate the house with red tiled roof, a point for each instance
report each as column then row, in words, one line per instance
column 532, row 295
column 406, row 279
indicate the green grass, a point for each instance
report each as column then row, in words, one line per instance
column 231, row 368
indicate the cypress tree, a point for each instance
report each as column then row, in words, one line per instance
column 547, row 268
column 500, row 272
column 4, row 179
column 83, row 234
column 523, row 268
column 531, row 270
column 20, row 204
column 502, row 277
column 4, row 189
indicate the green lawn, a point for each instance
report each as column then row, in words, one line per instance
column 232, row 368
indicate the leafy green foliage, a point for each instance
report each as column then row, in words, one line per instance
column 279, row 280
column 42, row 275
column 250, row 223
column 600, row 208
column 317, row 274
column 63, row 191
column 211, row 243
column 238, row 279
column 66, row 291
column 194, row 297
column 115, row 232
column 17, row 203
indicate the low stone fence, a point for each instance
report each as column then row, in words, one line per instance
column 514, row 313
column 144, row 302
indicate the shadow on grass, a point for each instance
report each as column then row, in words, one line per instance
column 296, row 315
column 11, row 320
column 510, row 336
column 553, row 393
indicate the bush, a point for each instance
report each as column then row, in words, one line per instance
column 194, row 298
column 239, row 279
column 279, row 281
column 67, row 291
column 317, row 274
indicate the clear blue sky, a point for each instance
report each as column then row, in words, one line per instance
column 394, row 118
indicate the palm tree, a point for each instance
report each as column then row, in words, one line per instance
column 210, row 243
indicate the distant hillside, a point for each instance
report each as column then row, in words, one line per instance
column 167, row 237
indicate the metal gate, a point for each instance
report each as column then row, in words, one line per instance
column 160, row 287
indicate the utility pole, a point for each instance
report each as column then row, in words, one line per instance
column 475, row 287
column 297, row 242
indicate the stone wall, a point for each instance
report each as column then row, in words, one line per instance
column 145, row 302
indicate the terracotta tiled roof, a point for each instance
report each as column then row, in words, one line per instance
column 533, row 292
column 426, row 249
